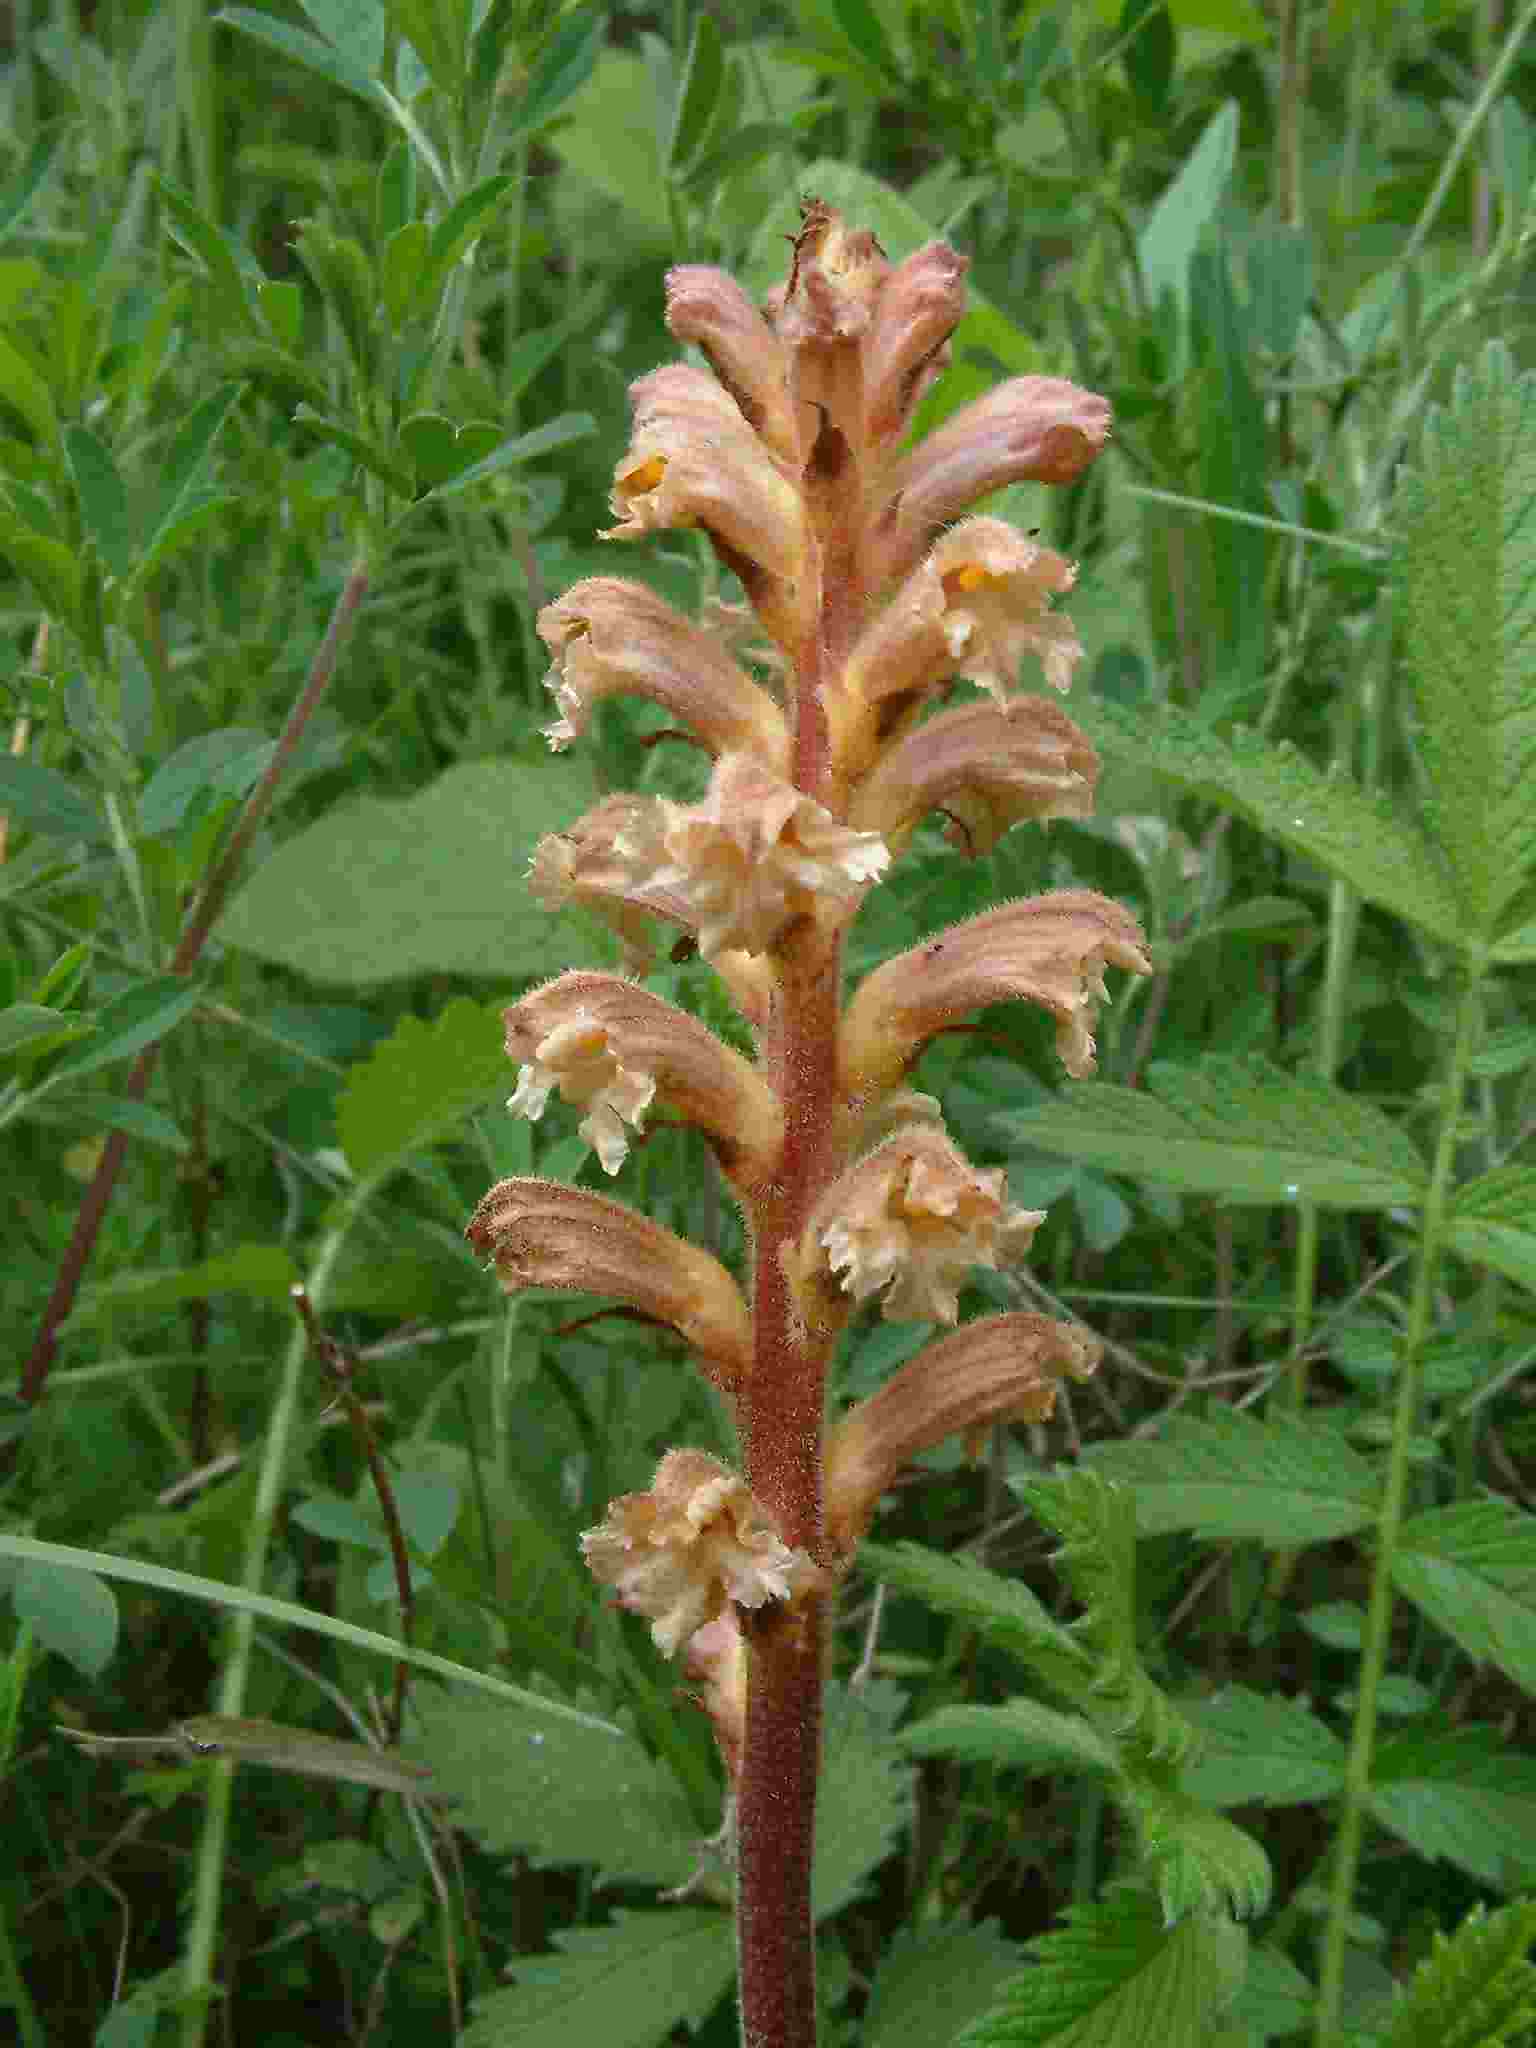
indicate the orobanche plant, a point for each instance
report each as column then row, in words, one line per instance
column 821, row 710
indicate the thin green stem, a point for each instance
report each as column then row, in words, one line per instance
column 1378, row 1625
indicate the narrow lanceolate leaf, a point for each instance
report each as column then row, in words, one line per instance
column 1357, row 837
column 420, row 1083
column 1461, row 1795
column 1233, row 1478
column 1236, row 1127
column 1262, row 1749
column 1467, row 515
column 1476, row 1988
column 932, row 1980
column 103, row 498
column 1116, row 1977
column 1472, row 1570
column 1492, row 1222
column 626, row 1985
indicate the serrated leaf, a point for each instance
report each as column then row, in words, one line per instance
column 1263, row 1749
column 1326, row 819
column 1492, row 1222
column 1236, row 1127
column 1275, row 1999
column 1200, row 1861
column 44, row 801
column 1462, row 1795
column 73, row 1613
column 1472, row 1569
column 1466, row 513
column 433, row 884
column 626, row 1985
column 1476, row 1988
column 1002, row 1610
column 1019, row 1735
column 864, row 1800
column 265, row 1272
column 556, row 1791
column 1115, row 1977
column 420, row 1083
column 931, row 1980
column 1234, row 1478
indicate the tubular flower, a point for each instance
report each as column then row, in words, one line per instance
column 576, row 1058
column 754, row 856
column 692, row 1546
column 1000, row 1368
column 910, row 1220
column 709, row 307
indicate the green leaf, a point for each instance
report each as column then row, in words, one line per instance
column 429, row 885
column 1326, row 819
column 610, row 142
column 304, row 48
column 355, row 27
column 627, row 1985
column 227, row 263
column 24, row 1024
column 866, row 32
column 932, row 1980
column 45, row 802
column 402, row 269
column 1004, row 1611
column 265, row 1272
column 136, row 1119
column 1237, row 1127
column 1472, row 1569
column 564, row 66
column 438, row 450
column 229, row 762
column 1167, row 244
column 1476, row 1988
column 140, row 1016
column 698, row 93
column 1462, row 1795
column 557, row 1792
column 1233, row 1478
column 1275, row 1999
column 73, row 1613
column 53, row 570
column 340, row 268
column 1492, row 1222
column 186, row 461
column 373, row 458
column 1468, row 566
column 23, row 188
column 461, row 225
column 1020, row 1735
column 1115, row 1977
column 103, row 499
column 1201, row 1862
column 864, row 1800
column 419, row 1084
column 26, row 393
column 556, row 433
column 1261, row 1749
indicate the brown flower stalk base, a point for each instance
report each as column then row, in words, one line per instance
column 823, row 710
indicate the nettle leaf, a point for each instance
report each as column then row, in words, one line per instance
column 865, row 1796
column 1004, row 1611
column 627, row 1985
column 1116, row 1977
column 431, row 885
column 1236, row 1127
column 556, row 1791
column 420, row 1083
column 1492, row 1222
column 1467, row 519
column 1472, row 1569
column 1262, row 1749
column 1234, row 1478
column 931, row 1980
column 1356, row 836
column 1476, row 1988
column 1019, row 1735
column 1462, row 1795
column 1200, row 1861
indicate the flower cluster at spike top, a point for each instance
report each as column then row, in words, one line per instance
column 867, row 606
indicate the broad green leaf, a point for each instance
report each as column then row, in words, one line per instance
column 434, row 884
column 558, row 1793
column 1236, row 1127
column 402, row 268
column 1468, row 564
column 932, row 1980
column 265, row 1272
column 1003, row 1610
column 228, row 264
column 1233, row 1478
column 44, row 801
column 1462, row 1795
column 341, row 268
column 355, row 27
column 563, row 68
column 1326, row 819
column 1472, row 1569
column 103, row 498
column 627, row 1985
column 1200, row 1861
column 73, row 1613
column 420, row 1083
column 1492, row 1222
column 438, row 450
column 140, row 1016
column 1275, row 1999
column 1263, row 1749
column 1115, row 1977
column 428, row 1500
column 304, row 48
column 865, row 1798
column 229, row 761
column 1476, row 1988
column 1167, row 244
column 1020, row 1735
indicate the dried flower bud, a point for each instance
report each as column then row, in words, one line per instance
column 691, row 1546
column 995, row 1369
column 611, row 1048
column 910, row 1220
column 1049, row 949
column 541, row 1233
column 579, row 865
column 708, row 306
column 609, row 636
